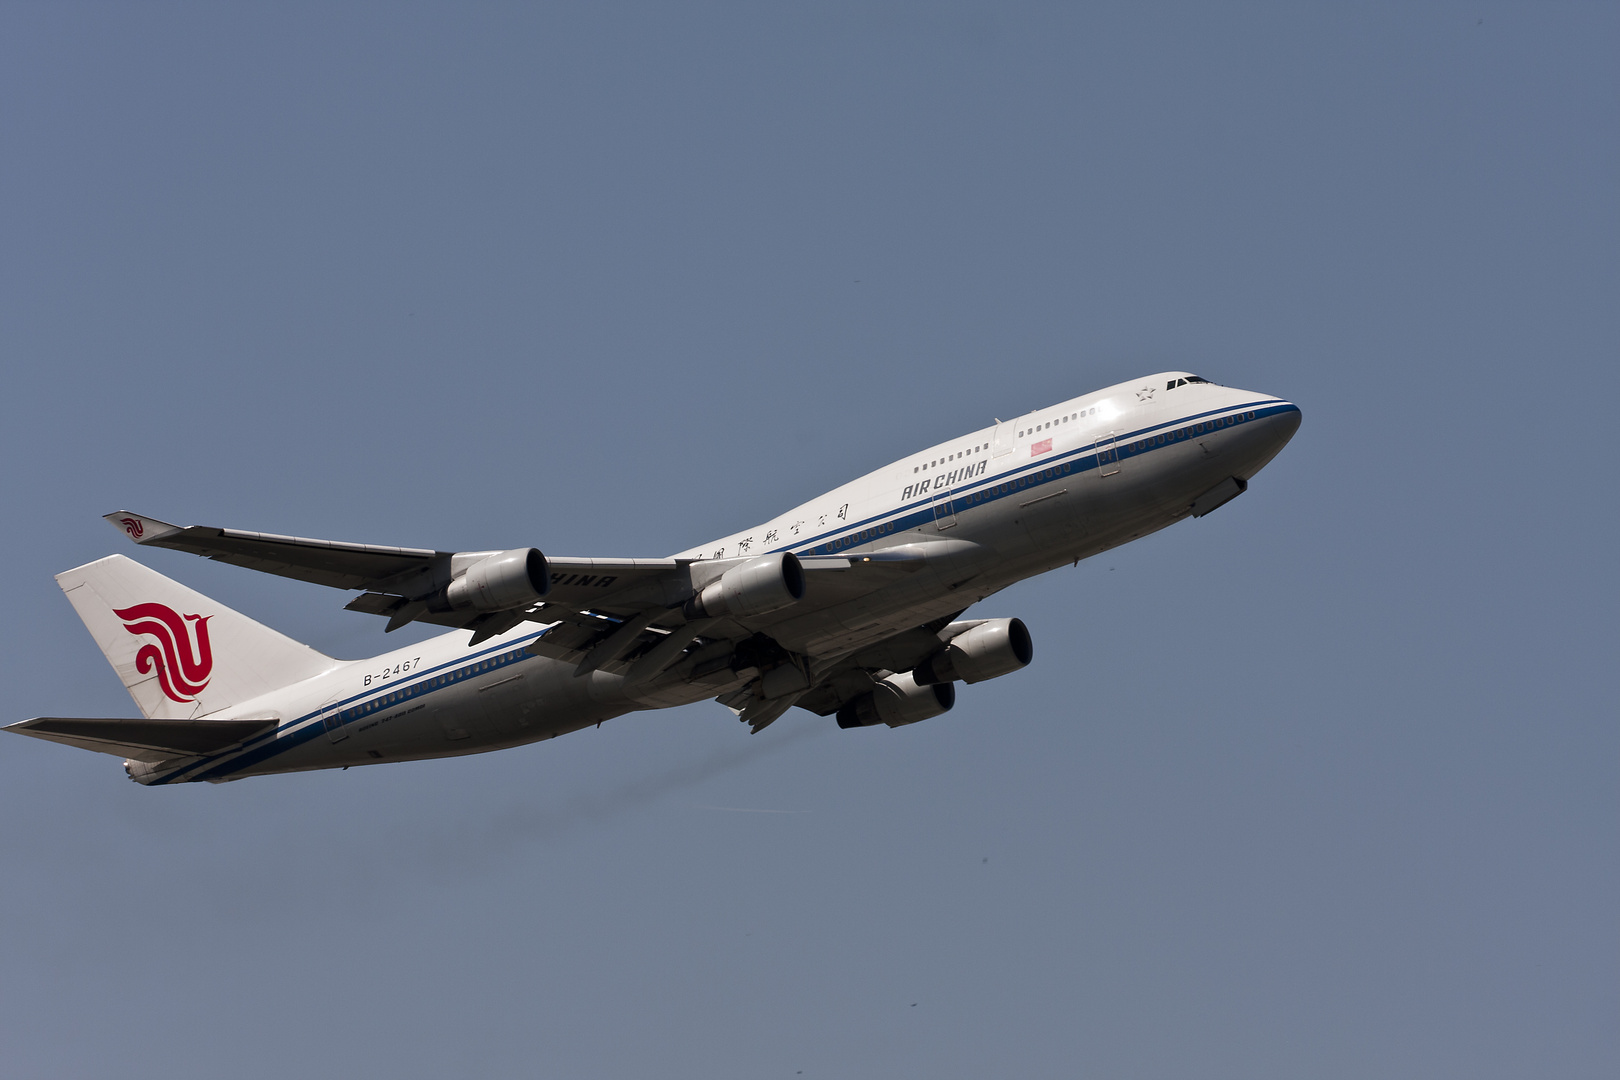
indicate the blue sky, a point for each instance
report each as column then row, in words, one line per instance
column 1323, row 784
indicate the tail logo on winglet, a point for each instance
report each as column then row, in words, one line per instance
column 183, row 664
column 133, row 526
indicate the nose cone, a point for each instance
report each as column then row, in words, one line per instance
column 1284, row 422
column 1276, row 424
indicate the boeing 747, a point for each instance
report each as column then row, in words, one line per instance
column 849, row 605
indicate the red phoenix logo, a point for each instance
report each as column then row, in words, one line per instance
column 183, row 665
column 133, row 526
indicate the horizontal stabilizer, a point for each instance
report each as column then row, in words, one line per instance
column 144, row 740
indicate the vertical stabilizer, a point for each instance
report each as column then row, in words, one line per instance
column 181, row 655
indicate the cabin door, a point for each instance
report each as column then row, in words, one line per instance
column 1107, row 455
column 332, row 721
column 1006, row 436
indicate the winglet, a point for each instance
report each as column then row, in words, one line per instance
column 142, row 530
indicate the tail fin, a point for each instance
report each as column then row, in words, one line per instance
column 180, row 654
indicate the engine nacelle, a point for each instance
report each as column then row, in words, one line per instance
column 757, row 587
column 994, row 647
column 897, row 701
column 505, row 580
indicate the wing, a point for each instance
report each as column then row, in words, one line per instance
column 837, row 681
column 324, row 562
column 626, row 616
column 400, row 583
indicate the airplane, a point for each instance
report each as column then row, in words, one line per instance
column 849, row 605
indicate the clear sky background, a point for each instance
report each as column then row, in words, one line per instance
column 1322, row 785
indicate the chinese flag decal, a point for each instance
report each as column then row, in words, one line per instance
column 1042, row 447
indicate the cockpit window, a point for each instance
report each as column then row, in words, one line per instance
column 1173, row 383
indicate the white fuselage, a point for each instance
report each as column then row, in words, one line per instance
column 993, row 507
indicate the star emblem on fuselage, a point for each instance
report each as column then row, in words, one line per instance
column 1145, row 394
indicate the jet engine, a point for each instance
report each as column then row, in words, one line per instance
column 501, row 582
column 994, row 647
column 897, row 701
column 758, row 586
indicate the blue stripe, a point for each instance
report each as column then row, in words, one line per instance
column 366, row 703
column 1019, row 479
